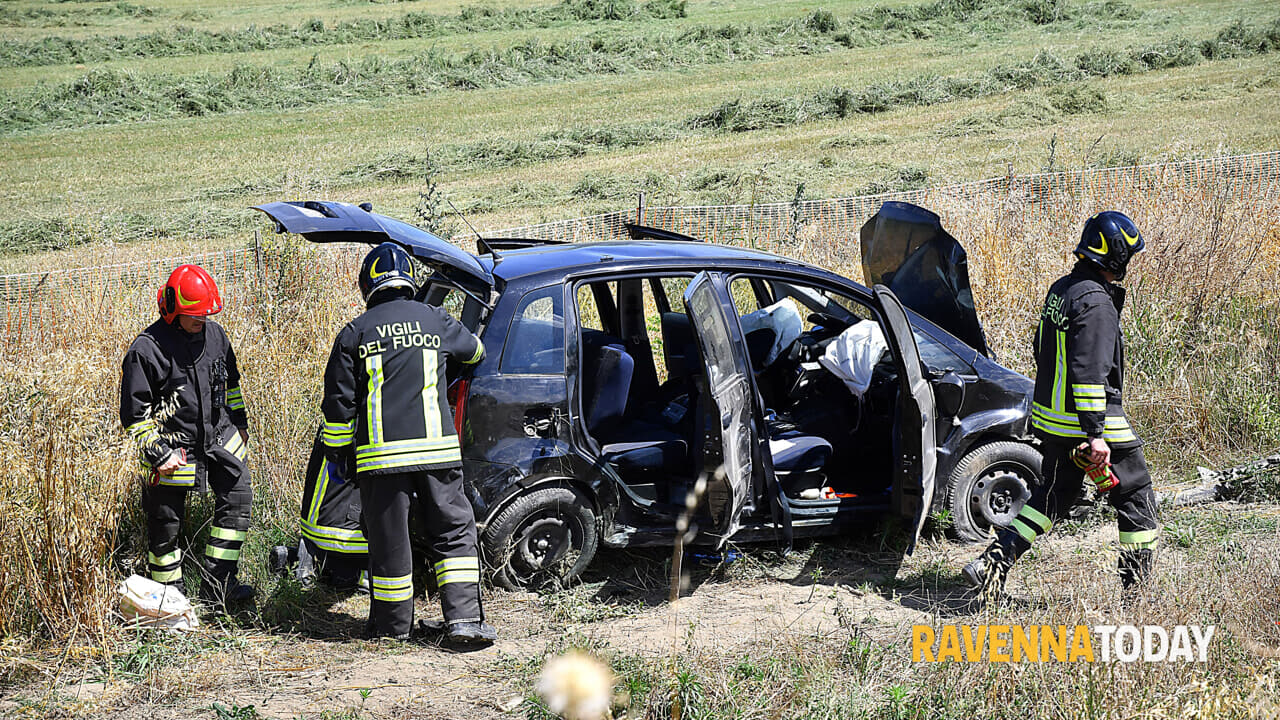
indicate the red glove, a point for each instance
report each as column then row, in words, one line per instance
column 1099, row 473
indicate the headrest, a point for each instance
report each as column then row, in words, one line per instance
column 678, row 345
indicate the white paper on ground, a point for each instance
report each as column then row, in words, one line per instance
column 147, row 603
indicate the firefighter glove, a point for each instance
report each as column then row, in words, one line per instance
column 1098, row 473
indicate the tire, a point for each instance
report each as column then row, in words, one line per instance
column 989, row 486
column 544, row 538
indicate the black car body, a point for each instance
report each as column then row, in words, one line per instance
column 630, row 383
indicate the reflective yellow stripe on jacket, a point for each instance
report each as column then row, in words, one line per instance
column 404, row 453
column 1116, row 428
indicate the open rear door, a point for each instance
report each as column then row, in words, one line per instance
column 728, row 437
column 327, row 222
column 914, row 480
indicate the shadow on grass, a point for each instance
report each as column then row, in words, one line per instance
column 867, row 561
column 317, row 613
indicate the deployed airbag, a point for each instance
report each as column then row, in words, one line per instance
column 783, row 317
column 852, row 355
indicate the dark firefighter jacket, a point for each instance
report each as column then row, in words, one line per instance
column 180, row 390
column 385, row 385
column 331, row 505
column 1079, row 355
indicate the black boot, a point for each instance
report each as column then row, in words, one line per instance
column 1134, row 568
column 222, row 594
column 988, row 572
column 471, row 634
column 280, row 558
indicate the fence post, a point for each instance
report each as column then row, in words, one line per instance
column 640, row 208
column 258, row 261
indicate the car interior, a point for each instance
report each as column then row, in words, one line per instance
column 642, row 387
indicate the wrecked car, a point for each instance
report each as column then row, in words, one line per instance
column 622, row 375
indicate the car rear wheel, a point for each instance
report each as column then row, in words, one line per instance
column 989, row 486
column 544, row 538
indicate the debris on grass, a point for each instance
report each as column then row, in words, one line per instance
column 1258, row 481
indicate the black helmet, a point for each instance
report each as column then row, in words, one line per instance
column 387, row 266
column 1110, row 240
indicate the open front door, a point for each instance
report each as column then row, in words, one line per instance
column 728, row 394
column 914, row 436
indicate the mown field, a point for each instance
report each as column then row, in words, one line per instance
column 136, row 130
column 113, row 132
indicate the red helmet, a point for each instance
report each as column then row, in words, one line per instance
column 189, row 291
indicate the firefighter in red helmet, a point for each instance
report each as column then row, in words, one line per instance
column 180, row 401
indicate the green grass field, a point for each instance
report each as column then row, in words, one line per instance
column 174, row 149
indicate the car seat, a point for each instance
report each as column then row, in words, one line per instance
column 798, row 461
column 632, row 447
column 606, row 381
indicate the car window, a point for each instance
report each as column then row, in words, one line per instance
column 673, row 288
column 535, row 340
column 453, row 301
column 933, row 353
column 589, row 315
column 817, row 301
column 714, row 335
column 938, row 357
column 744, row 296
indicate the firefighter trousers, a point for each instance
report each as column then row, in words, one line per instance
column 451, row 529
column 1133, row 499
column 165, row 506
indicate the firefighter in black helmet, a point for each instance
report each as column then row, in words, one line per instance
column 386, row 413
column 1078, row 414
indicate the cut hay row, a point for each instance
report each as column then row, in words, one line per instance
column 1057, row 78
column 178, row 41
column 874, row 26
column 107, row 96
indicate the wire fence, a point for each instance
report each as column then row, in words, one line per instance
column 28, row 301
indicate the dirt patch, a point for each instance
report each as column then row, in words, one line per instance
column 744, row 609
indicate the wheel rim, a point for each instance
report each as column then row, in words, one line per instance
column 997, row 495
column 543, row 546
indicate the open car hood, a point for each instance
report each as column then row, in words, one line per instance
column 905, row 248
column 326, row 222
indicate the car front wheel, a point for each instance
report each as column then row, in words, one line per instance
column 989, row 486
column 544, row 538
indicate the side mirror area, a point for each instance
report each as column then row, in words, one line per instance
column 948, row 390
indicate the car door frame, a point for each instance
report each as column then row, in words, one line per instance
column 915, row 434
column 738, row 494
column 915, row 473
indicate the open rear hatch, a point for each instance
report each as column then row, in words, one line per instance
column 328, row 222
column 905, row 248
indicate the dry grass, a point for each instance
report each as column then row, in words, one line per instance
column 863, row 668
